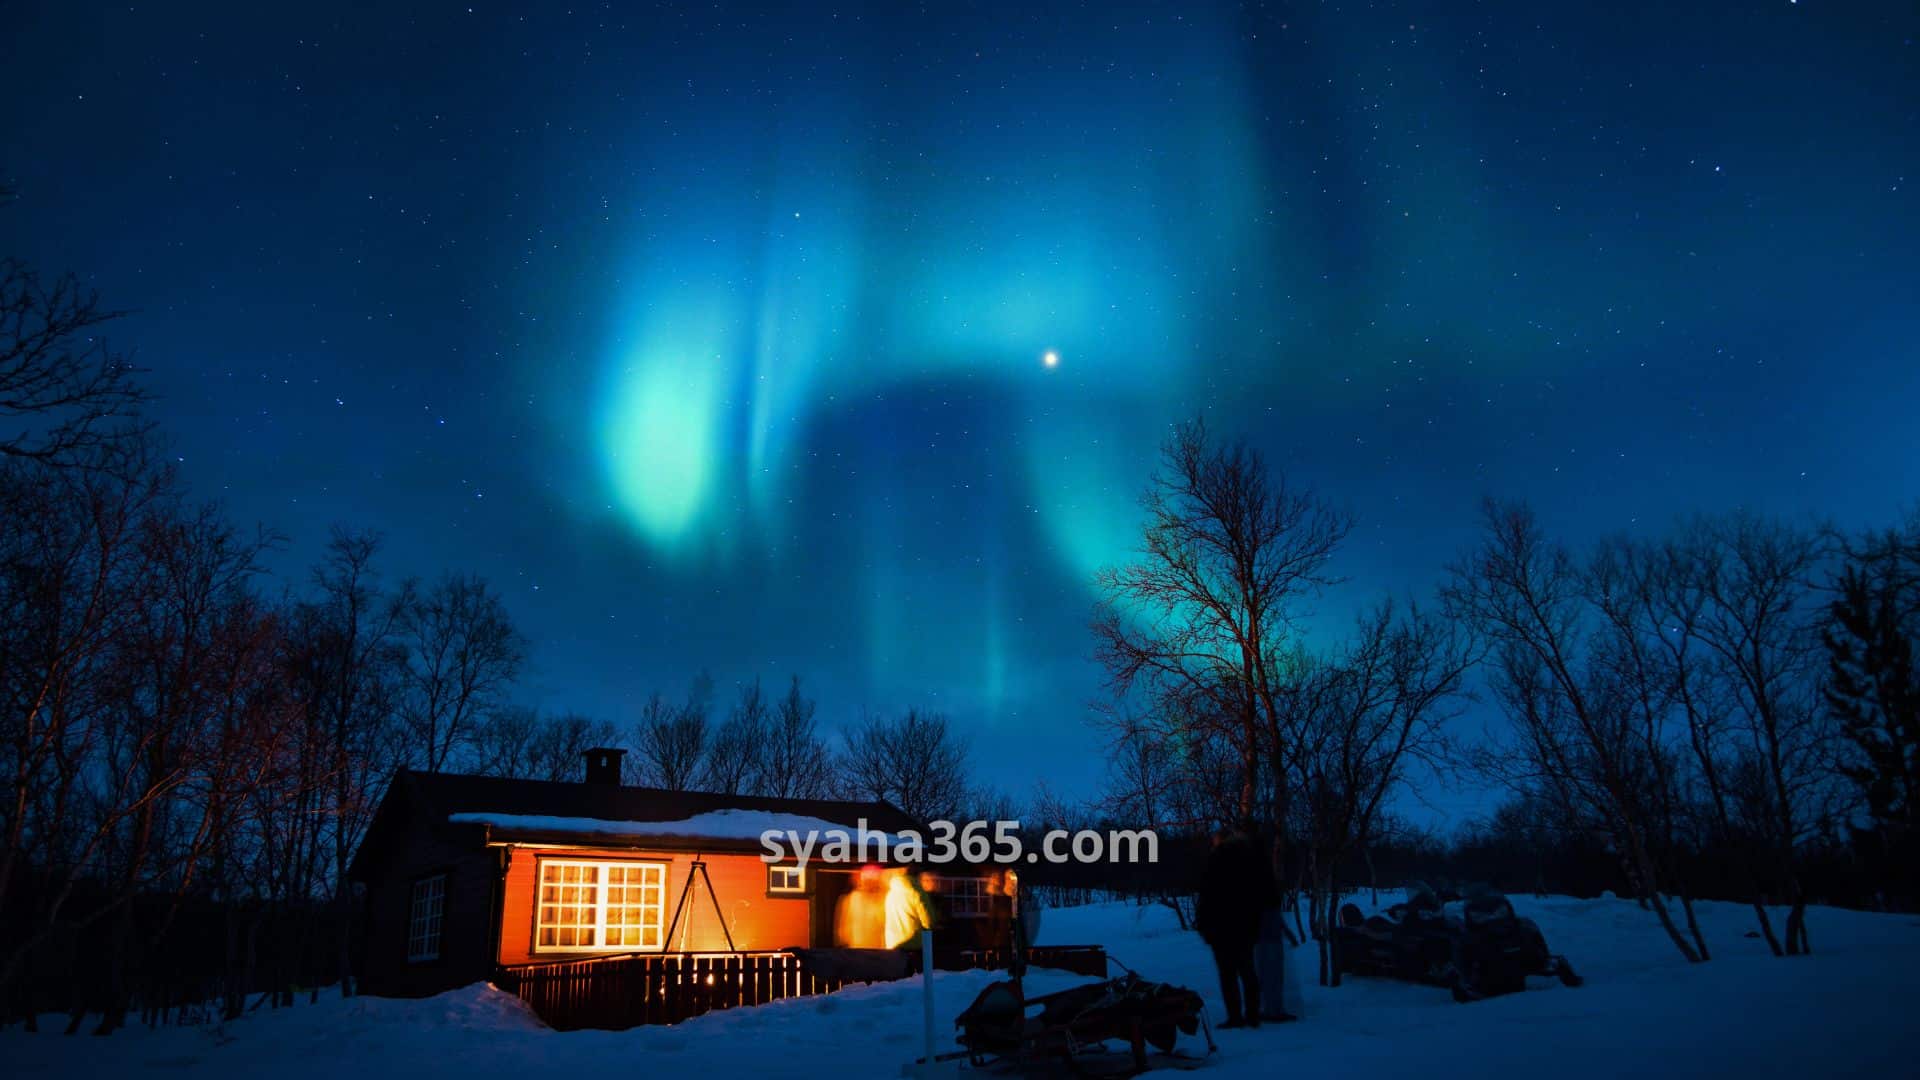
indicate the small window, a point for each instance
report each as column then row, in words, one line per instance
column 966, row 897
column 424, row 918
column 786, row 879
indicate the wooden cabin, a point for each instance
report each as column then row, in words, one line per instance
column 471, row 878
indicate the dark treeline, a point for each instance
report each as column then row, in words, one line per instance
column 758, row 744
column 1728, row 709
column 192, row 752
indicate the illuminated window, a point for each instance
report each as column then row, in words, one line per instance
column 424, row 918
column 966, row 897
column 786, row 879
column 600, row 906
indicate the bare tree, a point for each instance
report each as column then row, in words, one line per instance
column 561, row 747
column 462, row 655
column 986, row 802
column 796, row 761
column 506, row 743
column 1145, row 782
column 517, row 742
column 1359, row 722
column 1647, row 608
column 162, row 729
column 1760, row 626
column 1873, row 694
column 672, row 743
column 735, row 762
column 1198, row 618
column 67, row 398
column 74, row 579
column 1164, row 775
column 357, row 663
column 1683, row 646
column 1576, row 737
column 249, row 741
column 914, row 762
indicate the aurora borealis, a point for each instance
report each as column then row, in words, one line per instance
column 872, row 247
column 716, row 336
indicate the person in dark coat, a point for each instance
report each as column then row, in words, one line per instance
column 1236, row 888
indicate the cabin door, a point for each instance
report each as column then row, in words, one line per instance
column 829, row 886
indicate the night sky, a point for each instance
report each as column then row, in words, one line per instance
column 720, row 338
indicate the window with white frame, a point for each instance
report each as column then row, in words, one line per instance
column 966, row 897
column 786, row 879
column 424, row 917
column 600, row 906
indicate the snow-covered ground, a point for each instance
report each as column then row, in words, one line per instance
column 1848, row 1010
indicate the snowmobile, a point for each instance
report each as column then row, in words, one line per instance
column 1476, row 947
column 1005, row 1030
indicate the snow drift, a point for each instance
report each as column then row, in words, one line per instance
column 1845, row 1010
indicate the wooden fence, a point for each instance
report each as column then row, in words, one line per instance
column 1079, row 959
column 656, row 988
column 615, row 992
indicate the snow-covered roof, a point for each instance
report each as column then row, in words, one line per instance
column 712, row 825
column 557, row 810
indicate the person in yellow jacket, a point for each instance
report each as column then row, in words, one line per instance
column 907, row 913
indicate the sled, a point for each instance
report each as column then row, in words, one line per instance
column 1066, row 1032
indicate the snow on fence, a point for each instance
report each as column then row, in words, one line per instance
column 656, row 988
column 615, row 992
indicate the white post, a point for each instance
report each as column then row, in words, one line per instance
column 926, row 981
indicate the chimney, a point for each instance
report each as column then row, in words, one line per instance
column 603, row 765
